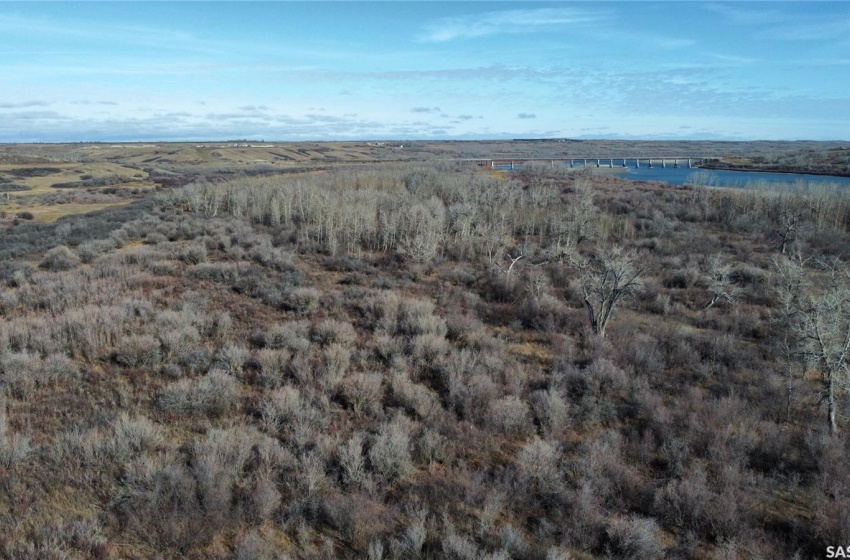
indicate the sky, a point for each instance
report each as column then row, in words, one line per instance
column 143, row 71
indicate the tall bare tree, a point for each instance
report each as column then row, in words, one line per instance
column 816, row 311
column 611, row 276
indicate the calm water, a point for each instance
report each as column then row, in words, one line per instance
column 719, row 178
column 715, row 178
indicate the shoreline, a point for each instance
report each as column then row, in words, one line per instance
column 785, row 171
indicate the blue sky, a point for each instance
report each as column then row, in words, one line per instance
column 423, row 70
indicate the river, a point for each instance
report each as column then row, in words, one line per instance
column 711, row 177
column 722, row 178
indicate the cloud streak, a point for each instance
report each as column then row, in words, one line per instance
column 24, row 104
column 504, row 22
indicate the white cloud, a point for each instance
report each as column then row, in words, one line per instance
column 506, row 21
column 739, row 15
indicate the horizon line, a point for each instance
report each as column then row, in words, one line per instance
column 411, row 140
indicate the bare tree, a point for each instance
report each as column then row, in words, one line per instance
column 788, row 215
column 720, row 283
column 612, row 275
column 789, row 223
column 507, row 270
column 578, row 222
column 817, row 316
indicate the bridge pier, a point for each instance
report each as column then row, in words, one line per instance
column 676, row 163
column 624, row 162
column 663, row 164
column 585, row 163
column 512, row 165
column 650, row 163
column 597, row 163
column 689, row 163
column 637, row 163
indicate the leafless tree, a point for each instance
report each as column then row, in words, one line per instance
column 612, row 275
column 720, row 283
column 816, row 312
column 787, row 212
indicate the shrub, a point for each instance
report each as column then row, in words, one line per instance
column 303, row 301
column 335, row 361
column 252, row 546
column 158, row 501
column 139, row 351
column 292, row 417
column 218, row 462
column 585, row 525
column 363, row 392
column 428, row 350
column 396, row 316
column 13, row 447
column 539, row 461
column 163, row 268
column 221, row 272
column 136, row 435
column 685, row 503
column 193, row 254
column 282, row 406
column 514, row 543
column 291, row 336
column 414, row 397
column 232, row 358
column 352, row 461
column 597, row 389
column 510, row 415
column 74, row 536
column 635, row 538
column 59, row 259
column 644, row 354
column 273, row 364
column 551, row 409
column 211, row 394
column 56, row 366
column 89, row 251
column 389, row 454
column 330, row 331
column 15, row 187
column 544, row 313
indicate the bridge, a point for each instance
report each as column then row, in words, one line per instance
column 663, row 162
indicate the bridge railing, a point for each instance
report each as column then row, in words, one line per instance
column 654, row 161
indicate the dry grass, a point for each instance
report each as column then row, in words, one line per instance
column 51, row 213
column 70, row 172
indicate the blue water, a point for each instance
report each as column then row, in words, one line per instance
column 711, row 177
column 721, row 178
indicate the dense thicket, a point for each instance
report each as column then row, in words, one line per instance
column 401, row 363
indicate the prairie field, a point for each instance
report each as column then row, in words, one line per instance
column 385, row 351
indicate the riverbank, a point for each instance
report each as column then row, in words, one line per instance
column 784, row 169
